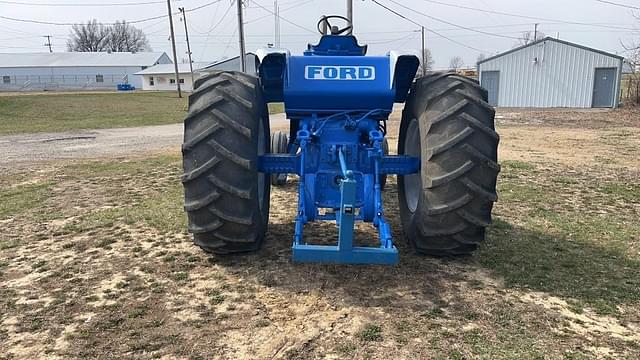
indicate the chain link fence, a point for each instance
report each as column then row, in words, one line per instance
column 60, row 82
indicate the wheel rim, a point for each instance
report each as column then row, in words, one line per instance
column 413, row 182
column 261, row 176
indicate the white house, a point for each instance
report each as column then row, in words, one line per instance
column 163, row 76
column 74, row 70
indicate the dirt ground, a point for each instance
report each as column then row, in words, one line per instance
column 95, row 262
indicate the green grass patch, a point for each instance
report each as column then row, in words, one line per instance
column 20, row 199
column 627, row 192
column 371, row 332
column 276, row 108
column 61, row 112
column 148, row 167
column 566, row 245
column 159, row 206
column 516, row 164
column 162, row 211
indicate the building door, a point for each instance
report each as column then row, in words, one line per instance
column 490, row 80
column 604, row 88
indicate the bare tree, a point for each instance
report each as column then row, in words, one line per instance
column 89, row 37
column 124, row 37
column 428, row 61
column 527, row 37
column 632, row 90
column 633, row 48
column 95, row 37
column 481, row 57
column 456, row 63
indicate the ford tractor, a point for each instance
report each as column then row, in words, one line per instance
column 338, row 101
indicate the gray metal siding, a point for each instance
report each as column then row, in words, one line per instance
column 68, row 78
column 563, row 75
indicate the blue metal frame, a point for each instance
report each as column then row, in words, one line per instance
column 338, row 101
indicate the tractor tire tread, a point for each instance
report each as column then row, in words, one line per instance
column 460, row 154
column 450, row 176
column 220, row 163
column 203, row 135
column 202, row 202
column 195, row 173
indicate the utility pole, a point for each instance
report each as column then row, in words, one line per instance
column 186, row 33
column 48, row 43
column 424, row 55
column 350, row 13
column 276, row 19
column 243, row 55
column 173, row 44
column 535, row 32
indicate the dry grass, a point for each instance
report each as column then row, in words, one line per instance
column 95, row 262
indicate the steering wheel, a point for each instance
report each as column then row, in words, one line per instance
column 347, row 30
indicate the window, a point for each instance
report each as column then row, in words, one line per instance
column 181, row 81
column 99, row 78
column 151, row 81
column 172, row 81
column 6, row 79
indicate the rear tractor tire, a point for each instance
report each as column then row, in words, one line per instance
column 226, row 129
column 449, row 125
column 279, row 145
column 385, row 152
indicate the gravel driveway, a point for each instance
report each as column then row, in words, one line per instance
column 86, row 144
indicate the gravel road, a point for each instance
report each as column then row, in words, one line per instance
column 87, row 144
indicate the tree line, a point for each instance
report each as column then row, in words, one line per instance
column 97, row 37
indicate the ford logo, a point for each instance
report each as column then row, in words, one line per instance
column 323, row 72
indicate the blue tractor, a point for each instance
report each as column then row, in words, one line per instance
column 338, row 102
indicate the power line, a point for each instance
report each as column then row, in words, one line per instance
column 300, row 3
column 429, row 30
column 214, row 13
column 71, row 24
column 618, row 4
column 527, row 16
column 81, row 5
column 386, row 41
column 203, row 6
column 454, row 24
column 127, row 21
column 204, row 48
column 284, row 19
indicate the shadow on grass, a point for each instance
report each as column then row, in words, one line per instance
column 597, row 276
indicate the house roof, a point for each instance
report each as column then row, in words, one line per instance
column 170, row 69
column 555, row 40
column 76, row 59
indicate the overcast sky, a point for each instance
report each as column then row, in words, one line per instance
column 374, row 25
